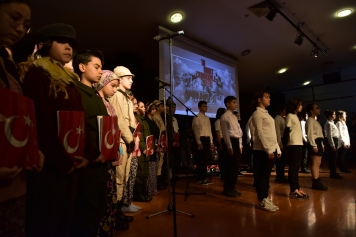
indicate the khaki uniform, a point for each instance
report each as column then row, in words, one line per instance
column 158, row 120
column 126, row 119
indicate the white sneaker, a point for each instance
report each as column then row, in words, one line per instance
column 272, row 204
column 137, row 207
column 129, row 209
column 266, row 205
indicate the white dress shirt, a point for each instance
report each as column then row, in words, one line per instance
column 296, row 134
column 331, row 131
column 175, row 125
column 218, row 127
column 230, row 127
column 201, row 127
column 302, row 123
column 248, row 130
column 344, row 138
column 280, row 124
column 264, row 132
column 314, row 131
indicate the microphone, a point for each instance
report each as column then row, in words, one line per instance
column 162, row 82
column 168, row 36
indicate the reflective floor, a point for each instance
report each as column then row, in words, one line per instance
column 326, row 213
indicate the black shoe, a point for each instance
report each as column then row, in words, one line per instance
column 296, row 195
column 121, row 225
column 345, row 171
column 283, row 180
column 237, row 193
column 336, row 176
column 240, row 174
column 138, row 195
column 121, row 216
column 208, row 181
column 318, row 185
column 229, row 194
column 160, row 185
column 305, row 171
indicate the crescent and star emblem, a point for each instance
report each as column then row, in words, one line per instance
column 109, row 146
column 13, row 141
column 69, row 149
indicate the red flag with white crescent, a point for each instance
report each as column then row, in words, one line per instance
column 149, row 145
column 71, row 131
column 109, row 137
column 162, row 142
column 18, row 134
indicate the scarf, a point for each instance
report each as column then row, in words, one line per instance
column 106, row 77
column 60, row 76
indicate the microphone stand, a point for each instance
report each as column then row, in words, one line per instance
column 186, row 192
column 169, row 128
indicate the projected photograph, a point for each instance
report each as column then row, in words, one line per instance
column 197, row 78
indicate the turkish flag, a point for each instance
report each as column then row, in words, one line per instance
column 18, row 134
column 71, row 131
column 149, row 145
column 137, row 130
column 109, row 137
column 162, row 142
column 176, row 140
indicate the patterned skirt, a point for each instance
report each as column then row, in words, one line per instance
column 107, row 223
column 128, row 187
column 12, row 217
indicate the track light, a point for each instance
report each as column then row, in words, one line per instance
column 299, row 39
column 315, row 52
column 272, row 14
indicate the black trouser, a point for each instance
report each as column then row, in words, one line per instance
column 295, row 155
column 232, row 164
column 91, row 200
column 342, row 157
column 50, row 202
column 262, row 167
column 222, row 158
column 250, row 155
column 280, row 165
column 332, row 155
column 203, row 158
column 304, row 160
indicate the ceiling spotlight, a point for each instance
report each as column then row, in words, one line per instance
column 344, row 12
column 283, row 70
column 306, row 83
column 176, row 17
column 315, row 52
column 299, row 39
column 272, row 14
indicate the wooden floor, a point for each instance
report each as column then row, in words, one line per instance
column 326, row 213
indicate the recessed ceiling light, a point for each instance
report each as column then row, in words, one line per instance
column 283, row 70
column 176, row 17
column 344, row 12
column 306, row 83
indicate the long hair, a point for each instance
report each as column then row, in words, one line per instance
column 220, row 112
column 340, row 115
column 302, row 115
column 259, row 95
column 328, row 113
column 309, row 108
column 292, row 105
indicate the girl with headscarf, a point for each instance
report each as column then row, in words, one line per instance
column 106, row 87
